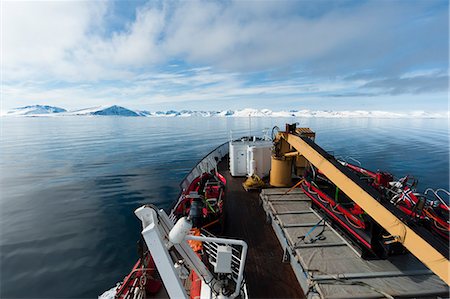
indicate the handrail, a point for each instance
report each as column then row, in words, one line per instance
column 222, row 151
column 229, row 242
column 435, row 192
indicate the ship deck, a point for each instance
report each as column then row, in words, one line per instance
column 330, row 266
column 265, row 273
column 272, row 223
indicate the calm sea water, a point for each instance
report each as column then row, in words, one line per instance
column 69, row 186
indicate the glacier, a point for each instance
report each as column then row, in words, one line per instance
column 115, row 110
column 36, row 110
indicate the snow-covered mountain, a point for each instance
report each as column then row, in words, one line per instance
column 41, row 110
column 107, row 111
column 35, row 110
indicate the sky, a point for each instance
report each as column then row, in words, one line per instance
column 217, row 55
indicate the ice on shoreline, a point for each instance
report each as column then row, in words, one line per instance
column 43, row 110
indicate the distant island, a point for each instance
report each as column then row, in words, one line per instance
column 45, row 110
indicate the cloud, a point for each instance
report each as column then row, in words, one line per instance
column 240, row 37
column 231, row 35
column 174, row 51
column 38, row 37
column 388, row 37
column 136, row 46
column 409, row 85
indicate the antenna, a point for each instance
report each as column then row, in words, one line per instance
column 250, row 124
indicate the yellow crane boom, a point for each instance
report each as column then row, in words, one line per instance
column 416, row 244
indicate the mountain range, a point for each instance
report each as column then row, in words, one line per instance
column 44, row 110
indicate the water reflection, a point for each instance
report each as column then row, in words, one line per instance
column 69, row 186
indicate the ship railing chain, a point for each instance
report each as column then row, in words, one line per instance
column 140, row 294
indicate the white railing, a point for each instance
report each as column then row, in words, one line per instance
column 237, row 261
column 208, row 163
column 211, row 250
column 161, row 237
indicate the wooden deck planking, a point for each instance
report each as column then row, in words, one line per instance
column 266, row 275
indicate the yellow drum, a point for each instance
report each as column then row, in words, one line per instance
column 281, row 172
